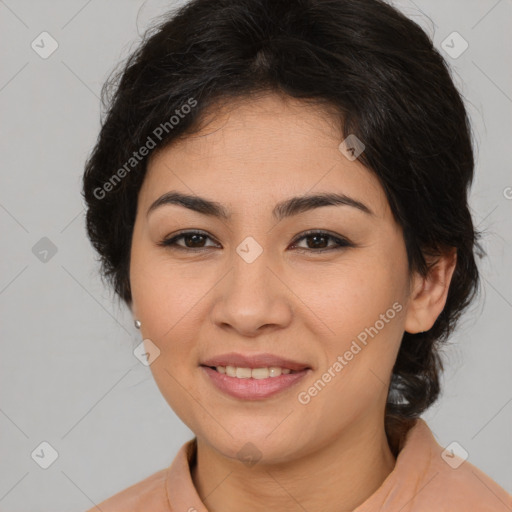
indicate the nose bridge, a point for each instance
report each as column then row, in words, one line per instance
column 250, row 268
column 251, row 296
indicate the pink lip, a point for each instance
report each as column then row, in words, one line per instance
column 254, row 361
column 253, row 389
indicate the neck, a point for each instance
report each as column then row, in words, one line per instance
column 337, row 477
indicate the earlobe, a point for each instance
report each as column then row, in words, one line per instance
column 429, row 293
column 136, row 322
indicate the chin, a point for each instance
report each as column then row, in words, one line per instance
column 251, row 438
column 255, row 448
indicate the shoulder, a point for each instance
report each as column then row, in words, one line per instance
column 467, row 486
column 148, row 494
column 451, row 483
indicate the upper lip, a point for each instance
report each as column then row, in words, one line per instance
column 254, row 361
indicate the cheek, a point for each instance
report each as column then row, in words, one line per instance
column 357, row 362
column 169, row 299
column 168, row 304
column 363, row 307
column 353, row 295
column 166, row 295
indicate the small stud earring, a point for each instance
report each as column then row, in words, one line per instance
column 137, row 324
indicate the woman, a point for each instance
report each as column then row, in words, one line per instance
column 279, row 194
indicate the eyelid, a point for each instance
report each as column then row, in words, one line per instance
column 169, row 241
column 341, row 242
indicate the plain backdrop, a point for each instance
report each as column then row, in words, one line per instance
column 68, row 374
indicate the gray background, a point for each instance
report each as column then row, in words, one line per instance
column 68, row 375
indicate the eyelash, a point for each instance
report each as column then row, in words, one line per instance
column 341, row 242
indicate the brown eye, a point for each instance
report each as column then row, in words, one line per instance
column 192, row 240
column 318, row 241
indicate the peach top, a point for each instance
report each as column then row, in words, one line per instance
column 422, row 480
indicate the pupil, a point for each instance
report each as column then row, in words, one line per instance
column 316, row 237
column 194, row 240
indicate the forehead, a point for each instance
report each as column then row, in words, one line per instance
column 259, row 151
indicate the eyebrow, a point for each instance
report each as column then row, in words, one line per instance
column 286, row 208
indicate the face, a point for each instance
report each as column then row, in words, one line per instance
column 305, row 302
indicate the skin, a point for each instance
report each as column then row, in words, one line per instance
column 332, row 453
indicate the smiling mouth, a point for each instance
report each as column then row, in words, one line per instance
column 253, row 376
column 244, row 383
column 239, row 372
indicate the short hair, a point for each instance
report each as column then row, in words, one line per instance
column 369, row 63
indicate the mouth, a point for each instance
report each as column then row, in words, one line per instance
column 253, row 362
column 240, row 372
column 253, row 377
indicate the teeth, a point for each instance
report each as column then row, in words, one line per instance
column 260, row 373
column 274, row 371
column 255, row 373
column 243, row 373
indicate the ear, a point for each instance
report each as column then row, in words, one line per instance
column 429, row 293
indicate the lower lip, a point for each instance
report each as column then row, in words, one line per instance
column 253, row 389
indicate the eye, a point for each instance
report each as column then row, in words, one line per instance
column 318, row 241
column 192, row 240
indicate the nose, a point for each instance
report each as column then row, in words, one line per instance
column 251, row 299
